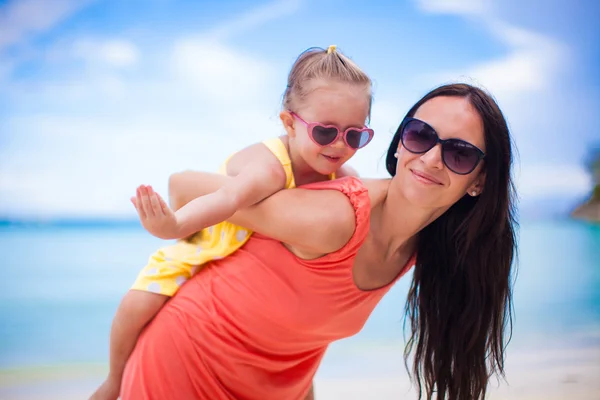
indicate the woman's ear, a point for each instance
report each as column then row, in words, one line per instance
column 477, row 186
column 288, row 120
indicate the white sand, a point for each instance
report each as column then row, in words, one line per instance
column 565, row 374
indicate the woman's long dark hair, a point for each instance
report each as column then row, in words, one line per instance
column 460, row 299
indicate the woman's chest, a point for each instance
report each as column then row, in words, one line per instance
column 281, row 293
column 373, row 269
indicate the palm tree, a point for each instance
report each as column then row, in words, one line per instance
column 594, row 166
column 590, row 210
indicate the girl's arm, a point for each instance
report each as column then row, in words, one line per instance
column 313, row 221
column 258, row 174
column 178, row 196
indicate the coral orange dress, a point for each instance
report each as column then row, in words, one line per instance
column 255, row 325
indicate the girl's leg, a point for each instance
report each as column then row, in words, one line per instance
column 136, row 310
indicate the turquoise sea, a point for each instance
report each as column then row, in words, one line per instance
column 61, row 285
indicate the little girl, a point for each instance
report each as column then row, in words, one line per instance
column 325, row 106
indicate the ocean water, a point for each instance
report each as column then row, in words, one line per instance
column 60, row 288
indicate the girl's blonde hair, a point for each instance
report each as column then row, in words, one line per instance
column 325, row 65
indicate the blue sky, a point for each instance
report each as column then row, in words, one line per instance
column 97, row 97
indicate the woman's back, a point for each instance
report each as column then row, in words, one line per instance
column 260, row 316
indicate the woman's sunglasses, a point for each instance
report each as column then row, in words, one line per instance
column 324, row 135
column 459, row 156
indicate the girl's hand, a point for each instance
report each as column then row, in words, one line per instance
column 155, row 215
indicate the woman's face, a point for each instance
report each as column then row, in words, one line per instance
column 424, row 179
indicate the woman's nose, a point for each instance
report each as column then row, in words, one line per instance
column 433, row 158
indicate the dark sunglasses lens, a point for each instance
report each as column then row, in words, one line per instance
column 459, row 156
column 418, row 137
column 324, row 136
column 357, row 139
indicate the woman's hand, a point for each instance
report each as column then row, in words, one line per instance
column 155, row 215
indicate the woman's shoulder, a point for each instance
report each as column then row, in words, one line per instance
column 372, row 191
column 377, row 189
column 343, row 184
column 342, row 207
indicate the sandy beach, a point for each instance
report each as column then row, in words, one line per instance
column 566, row 374
column 559, row 374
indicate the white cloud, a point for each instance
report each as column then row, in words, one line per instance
column 220, row 73
column 531, row 64
column 22, row 18
column 460, row 7
column 532, row 60
column 539, row 181
column 95, row 66
column 90, row 164
column 253, row 18
column 115, row 52
column 74, row 165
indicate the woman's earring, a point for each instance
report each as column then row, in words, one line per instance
column 396, row 154
column 474, row 193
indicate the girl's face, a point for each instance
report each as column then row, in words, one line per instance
column 337, row 104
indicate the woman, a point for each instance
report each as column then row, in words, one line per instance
column 256, row 324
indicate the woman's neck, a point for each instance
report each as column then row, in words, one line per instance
column 395, row 222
